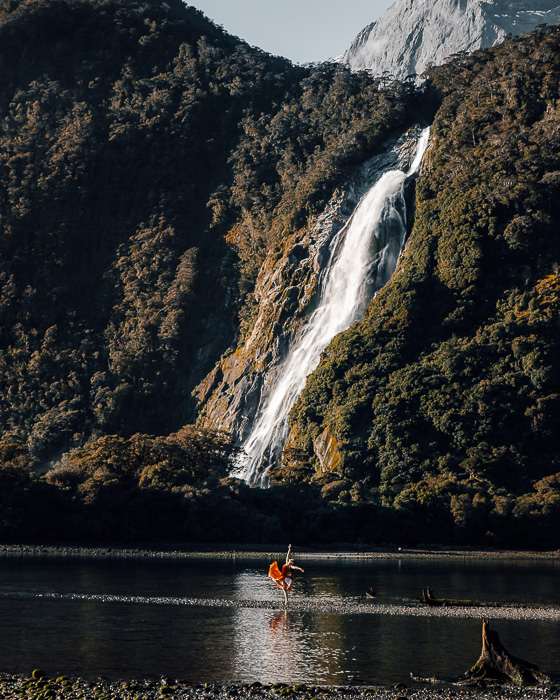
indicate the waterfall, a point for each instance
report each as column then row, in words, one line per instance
column 363, row 257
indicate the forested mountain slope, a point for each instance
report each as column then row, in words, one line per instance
column 148, row 163
column 445, row 400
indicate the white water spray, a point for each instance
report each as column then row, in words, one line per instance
column 364, row 255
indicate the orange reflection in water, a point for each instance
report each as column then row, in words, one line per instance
column 282, row 639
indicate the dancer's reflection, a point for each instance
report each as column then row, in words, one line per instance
column 284, row 645
column 280, row 623
column 283, row 579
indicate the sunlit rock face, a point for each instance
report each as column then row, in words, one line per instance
column 287, row 292
column 413, row 34
column 327, row 450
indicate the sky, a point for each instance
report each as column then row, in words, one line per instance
column 304, row 31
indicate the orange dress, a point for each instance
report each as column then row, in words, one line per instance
column 280, row 576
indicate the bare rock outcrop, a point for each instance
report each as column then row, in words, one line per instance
column 413, row 34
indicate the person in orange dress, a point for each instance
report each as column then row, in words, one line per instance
column 284, row 578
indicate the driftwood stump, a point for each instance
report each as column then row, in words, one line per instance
column 497, row 665
column 428, row 598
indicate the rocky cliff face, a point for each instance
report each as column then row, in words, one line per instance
column 286, row 292
column 413, row 34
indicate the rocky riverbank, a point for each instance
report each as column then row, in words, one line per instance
column 252, row 551
column 38, row 686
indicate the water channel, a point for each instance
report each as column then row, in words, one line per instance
column 71, row 616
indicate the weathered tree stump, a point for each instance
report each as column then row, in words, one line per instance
column 497, row 665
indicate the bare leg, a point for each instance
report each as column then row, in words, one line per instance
column 285, row 589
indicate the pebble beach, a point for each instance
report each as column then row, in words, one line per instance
column 63, row 688
column 233, row 551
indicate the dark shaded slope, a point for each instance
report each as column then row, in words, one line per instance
column 117, row 120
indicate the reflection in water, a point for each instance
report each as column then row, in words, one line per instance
column 128, row 640
column 285, row 646
column 254, row 584
column 267, row 649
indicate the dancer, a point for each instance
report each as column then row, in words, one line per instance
column 283, row 579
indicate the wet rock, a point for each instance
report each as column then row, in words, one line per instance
column 328, row 454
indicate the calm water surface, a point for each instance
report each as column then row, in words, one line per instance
column 205, row 644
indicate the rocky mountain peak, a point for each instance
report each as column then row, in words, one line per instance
column 413, row 34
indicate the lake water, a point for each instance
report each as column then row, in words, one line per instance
column 93, row 636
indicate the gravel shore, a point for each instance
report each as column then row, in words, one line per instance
column 41, row 687
column 504, row 612
column 249, row 552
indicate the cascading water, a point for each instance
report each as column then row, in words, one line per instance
column 363, row 257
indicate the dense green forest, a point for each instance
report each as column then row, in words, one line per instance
column 149, row 163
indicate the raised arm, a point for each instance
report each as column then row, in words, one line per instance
column 289, row 553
